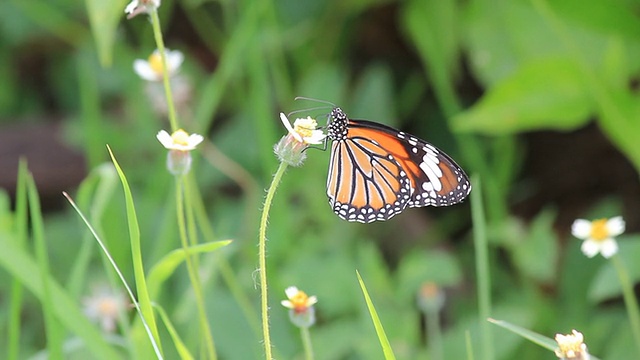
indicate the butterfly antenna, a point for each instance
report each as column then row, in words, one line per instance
column 307, row 110
column 315, row 100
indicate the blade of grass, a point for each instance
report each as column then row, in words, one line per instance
column 136, row 253
column 177, row 341
column 167, row 265
column 117, row 270
column 482, row 267
column 52, row 328
column 22, row 266
column 534, row 337
column 382, row 337
column 15, row 306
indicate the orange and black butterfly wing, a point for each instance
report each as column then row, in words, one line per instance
column 365, row 183
column 376, row 171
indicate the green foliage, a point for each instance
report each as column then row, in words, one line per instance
column 471, row 77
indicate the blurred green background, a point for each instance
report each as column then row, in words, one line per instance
column 537, row 98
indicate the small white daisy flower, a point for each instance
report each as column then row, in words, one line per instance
column 304, row 130
column 137, row 7
column 571, row 347
column 300, row 305
column 179, row 140
column 291, row 148
column 104, row 306
column 152, row 69
column 598, row 235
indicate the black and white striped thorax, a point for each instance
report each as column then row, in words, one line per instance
column 338, row 125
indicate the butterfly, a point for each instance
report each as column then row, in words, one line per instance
column 375, row 171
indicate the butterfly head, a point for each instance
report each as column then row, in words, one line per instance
column 337, row 128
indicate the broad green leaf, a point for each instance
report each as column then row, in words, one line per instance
column 608, row 17
column 536, row 255
column 541, row 95
column 104, row 16
column 606, row 283
column 619, row 112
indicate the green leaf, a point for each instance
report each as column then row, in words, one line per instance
column 608, row 17
column 104, row 16
column 167, row 265
column 606, row 284
column 536, row 254
column 545, row 94
column 382, row 337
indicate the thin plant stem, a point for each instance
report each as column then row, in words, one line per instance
column 482, row 268
column 432, row 319
column 306, row 343
column 630, row 300
column 157, row 34
column 193, row 272
column 262, row 239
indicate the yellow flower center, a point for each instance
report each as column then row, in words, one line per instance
column 155, row 61
column 599, row 230
column 107, row 307
column 300, row 301
column 305, row 127
column 180, row 137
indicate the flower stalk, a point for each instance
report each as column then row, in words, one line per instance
column 630, row 300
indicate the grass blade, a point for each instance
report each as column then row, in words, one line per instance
column 136, row 252
column 382, row 337
column 53, row 333
column 180, row 347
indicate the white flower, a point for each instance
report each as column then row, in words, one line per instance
column 152, row 69
column 571, row 347
column 105, row 306
column 137, row 7
column 304, row 130
column 598, row 235
column 179, row 140
column 301, row 311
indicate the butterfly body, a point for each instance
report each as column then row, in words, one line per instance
column 375, row 171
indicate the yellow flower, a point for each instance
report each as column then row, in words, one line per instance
column 571, row 347
column 598, row 235
column 300, row 305
column 431, row 298
column 152, row 69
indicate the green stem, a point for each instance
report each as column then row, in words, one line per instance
column 482, row 267
column 306, row 342
column 157, row 34
column 432, row 319
column 630, row 299
column 262, row 258
column 193, row 272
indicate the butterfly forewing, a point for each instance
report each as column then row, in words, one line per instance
column 376, row 171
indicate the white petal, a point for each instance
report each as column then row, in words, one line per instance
column 291, row 291
column 615, row 226
column 287, row 124
column 581, row 228
column 165, row 139
column 194, row 140
column 608, row 247
column 144, row 70
column 287, row 304
column 132, row 6
column 590, row 248
column 312, row 300
column 174, row 60
column 317, row 137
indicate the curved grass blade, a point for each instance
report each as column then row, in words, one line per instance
column 382, row 337
column 180, row 347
